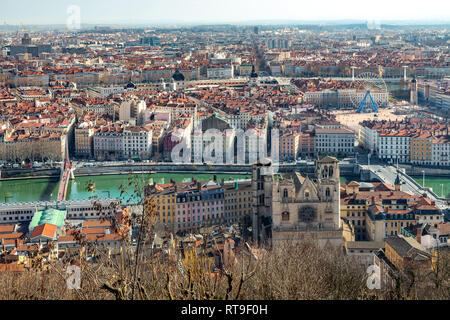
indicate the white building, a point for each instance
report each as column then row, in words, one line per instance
column 239, row 120
column 108, row 144
column 132, row 109
column 104, row 92
column 278, row 43
column 335, row 141
column 224, row 72
column 394, row 146
column 440, row 151
column 369, row 138
column 137, row 142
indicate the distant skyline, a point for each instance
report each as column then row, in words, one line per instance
column 155, row 12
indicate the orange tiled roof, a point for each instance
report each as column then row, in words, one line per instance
column 46, row 230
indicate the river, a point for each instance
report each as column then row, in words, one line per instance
column 440, row 185
column 29, row 190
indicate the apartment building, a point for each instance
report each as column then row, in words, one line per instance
column 289, row 146
column 421, row 148
column 440, row 151
column 164, row 196
column 84, row 140
column 394, row 145
column 335, row 142
column 188, row 206
column 377, row 210
column 108, row 143
column 238, row 201
column 137, row 142
column 220, row 72
column 103, row 92
column 200, row 204
column 416, row 141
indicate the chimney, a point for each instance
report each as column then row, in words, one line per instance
column 418, row 234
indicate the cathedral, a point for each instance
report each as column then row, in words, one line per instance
column 292, row 206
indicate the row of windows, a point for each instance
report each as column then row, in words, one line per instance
column 236, row 199
column 16, row 218
column 198, row 204
column 80, row 215
column 17, row 212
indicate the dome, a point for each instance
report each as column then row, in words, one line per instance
column 130, row 85
column 178, row 76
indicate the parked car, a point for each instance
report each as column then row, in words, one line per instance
column 37, row 165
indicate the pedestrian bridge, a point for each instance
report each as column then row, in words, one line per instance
column 66, row 174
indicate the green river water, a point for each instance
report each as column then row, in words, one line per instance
column 29, row 190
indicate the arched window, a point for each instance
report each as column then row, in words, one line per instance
column 327, row 193
column 285, row 193
column 324, row 172
column 330, row 171
column 285, row 216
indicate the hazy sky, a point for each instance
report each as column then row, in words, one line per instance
column 211, row 11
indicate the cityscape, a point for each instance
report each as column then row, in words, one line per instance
column 268, row 157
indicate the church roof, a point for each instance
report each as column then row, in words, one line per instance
column 397, row 180
column 298, row 180
column 178, row 76
column 130, row 85
column 327, row 159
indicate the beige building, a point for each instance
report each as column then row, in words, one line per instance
column 299, row 208
column 48, row 146
column 238, row 201
column 84, row 138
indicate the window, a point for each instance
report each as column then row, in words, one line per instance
column 285, row 216
column 285, row 193
column 306, row 194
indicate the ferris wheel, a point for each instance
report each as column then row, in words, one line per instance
column 371, row 92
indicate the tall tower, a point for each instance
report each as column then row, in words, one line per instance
column 261, row 201
column 414, row 98
column 328, row 176
column 26, row 40
column 398, row 183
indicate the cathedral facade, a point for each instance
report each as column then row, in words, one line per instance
column 298, row 207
